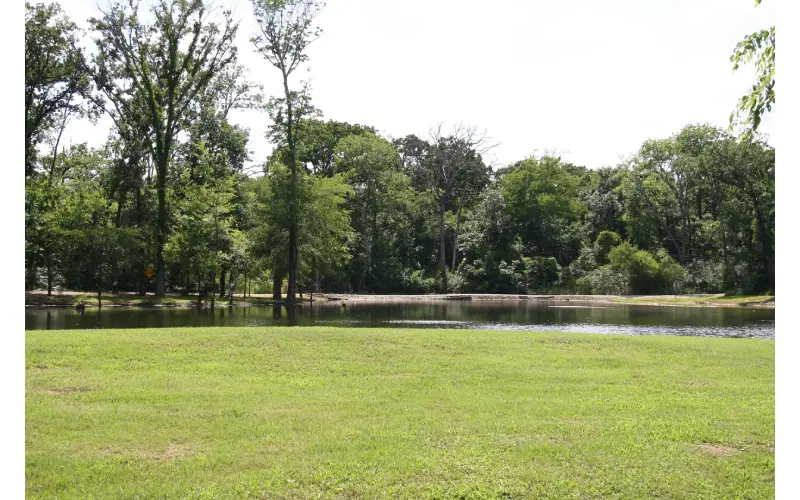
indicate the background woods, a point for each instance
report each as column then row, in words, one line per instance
column 337, row 206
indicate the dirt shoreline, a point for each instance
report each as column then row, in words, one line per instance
column 39, row 299
column 695, row 300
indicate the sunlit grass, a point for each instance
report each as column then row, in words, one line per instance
column 366, row 413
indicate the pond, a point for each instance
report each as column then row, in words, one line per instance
column 742, row 322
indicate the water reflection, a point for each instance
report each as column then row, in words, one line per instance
column 505, row 315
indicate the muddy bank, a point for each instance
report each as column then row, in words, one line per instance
column 697, row 300
column 39, row 299
column 71, row 299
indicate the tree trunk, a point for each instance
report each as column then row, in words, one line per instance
column 664, row 224
column 161, row 232
column 213, row 284
column 277, row 284
column 442, row 255
column 29, row 150
column 30, row 281
column 99, row 301
column 55, row 148
column 455, row 238
column 290, row 294
column 49, row 273
column 222, row 283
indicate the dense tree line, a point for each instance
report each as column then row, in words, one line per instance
column 337, row 207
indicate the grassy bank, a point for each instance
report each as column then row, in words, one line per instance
column 365, row 413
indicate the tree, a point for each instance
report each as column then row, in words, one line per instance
column 370, row 164
column 761, row 47
column 286, row 29
column 605, row 242
column 318, row 142
column 56, row 74
column 324, row 230
column 167, row 64
column 446, row 165
column 542, row 197
column 203, row 230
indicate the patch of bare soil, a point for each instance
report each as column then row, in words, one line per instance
column 173, row 452
column 716, row 450
column 66, row 390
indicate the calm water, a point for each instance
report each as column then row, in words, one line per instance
column 506, row 315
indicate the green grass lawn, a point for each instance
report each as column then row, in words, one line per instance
column 365, row 413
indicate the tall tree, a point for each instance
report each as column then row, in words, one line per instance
column 542, row 196
column 168, row 62
column 286, row 28
column 56, row 74
column 449, row 162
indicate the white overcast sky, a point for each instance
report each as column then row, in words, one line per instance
column 592, row 79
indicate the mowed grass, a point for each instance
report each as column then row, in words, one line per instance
column 371, row 413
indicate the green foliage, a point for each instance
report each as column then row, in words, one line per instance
column 645, row 273
column 541, row 273
column 56, row 74
column 542, row 198
column 155, row 72
column 340, row 208
column 604, row 280
column 671, row 274
column 324, row 230
column 758, row 46
column 605, row 242
column 640, row 266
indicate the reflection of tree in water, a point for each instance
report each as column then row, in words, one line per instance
column 529, row 315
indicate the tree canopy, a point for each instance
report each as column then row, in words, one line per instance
column 338, row 206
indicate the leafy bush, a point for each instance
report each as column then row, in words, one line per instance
column 640, row 266
column 605, row 242
column 604, row 281
column 584, row 264
column 671, row 274
column 457, row 283
column 705, row 276
column 540, row 273
column 416, row 282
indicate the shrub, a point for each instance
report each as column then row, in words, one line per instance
column 584, row 264
column 416, row 282
column 640, row 266
column 540, row 273
column 704, row 276
column 605, row 242
column 604, row 281
column 671, row 274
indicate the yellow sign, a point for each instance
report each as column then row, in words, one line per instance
column 148, row 271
